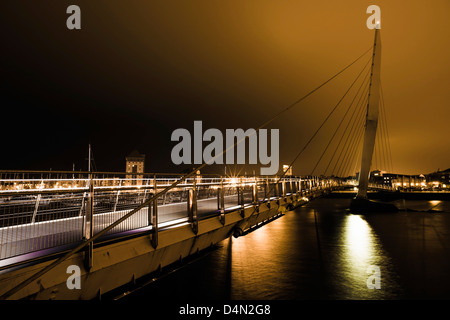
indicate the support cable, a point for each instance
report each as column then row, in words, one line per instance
column 353, row 149
column 354, row 113
column 383, row 108
column 346, row 112
column 353, row 137
column 311, row 92
column 351, row 133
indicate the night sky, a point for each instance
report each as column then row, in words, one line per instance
column 137, row 70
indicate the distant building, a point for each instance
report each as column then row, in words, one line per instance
column 439, row 180
column 388, row 179
column 135, row 164
column 397, row 181
column 403, row 181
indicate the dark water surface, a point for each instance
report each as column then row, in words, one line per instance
column 321, row 251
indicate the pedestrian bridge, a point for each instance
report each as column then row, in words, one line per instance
column 118, row 227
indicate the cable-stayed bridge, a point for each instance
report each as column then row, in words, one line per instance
column 118, row 227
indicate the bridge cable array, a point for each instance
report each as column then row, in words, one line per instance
column 349, row 133
column 353, row 140
column 312, row 91
column 385, row 133
column 345, row 158
column 324, row 121
column 343, row 118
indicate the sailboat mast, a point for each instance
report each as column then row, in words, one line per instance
column 371, row 118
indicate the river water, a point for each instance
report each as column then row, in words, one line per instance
column 321, row 251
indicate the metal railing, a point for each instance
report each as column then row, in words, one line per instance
column 42, row 210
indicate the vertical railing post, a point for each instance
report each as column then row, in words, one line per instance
column 89, row 222
column 255, row 195
column 255, row 192
column 300, row 186
column 219, row 189
column 192, row 207
column 293, row 188
column 277, row 188
column 241, row 197
column 266, row 190
column 153, row 216
column 290, row 186
column 221, row 201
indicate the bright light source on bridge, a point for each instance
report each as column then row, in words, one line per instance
column 233, row 182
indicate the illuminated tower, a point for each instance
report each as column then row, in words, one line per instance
column 361, row 204
column 371, row 118
column 135, row 162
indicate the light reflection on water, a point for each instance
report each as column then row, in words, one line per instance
column 276, row 262
column 362, row 250
column 435, row 204
column 319, row 251
column 359, row 240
